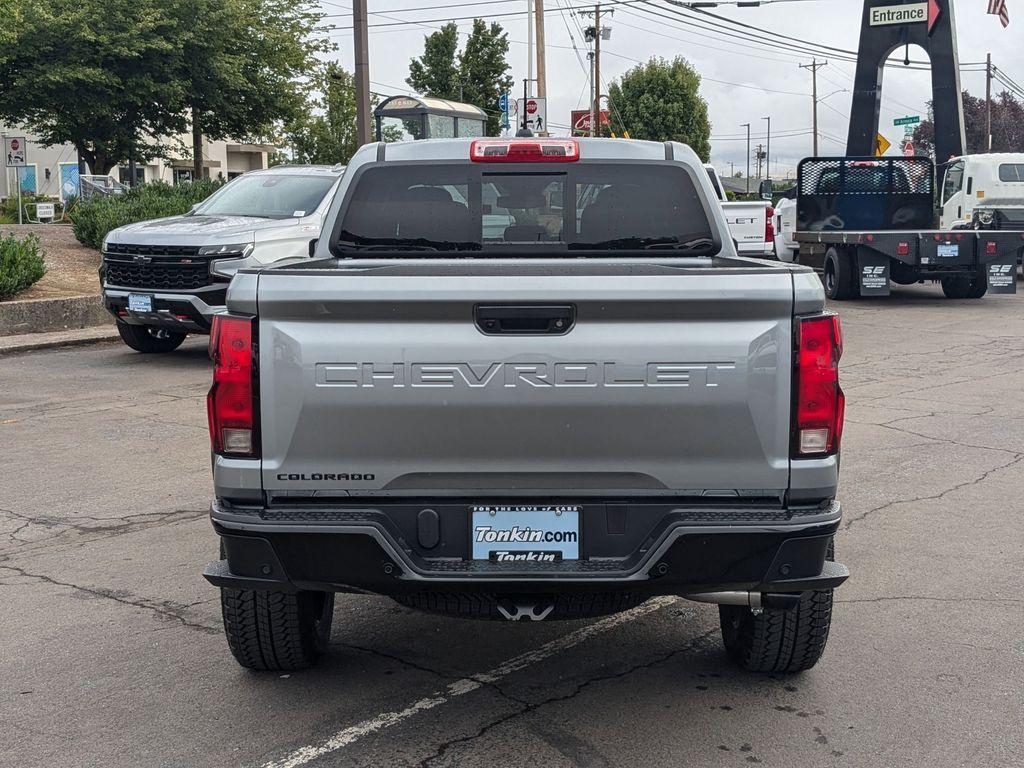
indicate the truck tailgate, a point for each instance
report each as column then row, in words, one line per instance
column 670, row 381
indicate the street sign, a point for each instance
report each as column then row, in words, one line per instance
column 536, row 114
column 907, row 120
column 503, row 102
column 913, row 13
column 908, row 149
column 580, row 120
column 14, row 151
column 45, row 211
column 882, row 145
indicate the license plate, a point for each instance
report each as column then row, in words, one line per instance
column 525, row 533
column 140, row 303
column 948, row 250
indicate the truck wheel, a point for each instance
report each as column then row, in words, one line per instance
column 838, row 275
column 779, row 641
column 276, row 631
column 144, row 338
column 963, row 287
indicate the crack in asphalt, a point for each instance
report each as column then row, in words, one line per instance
column 167, row 609
column 443, row 675
column 933, row 497
column 929, row 598
column 529, row 708
column 105, row 527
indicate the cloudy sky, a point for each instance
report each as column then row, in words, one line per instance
column 747, row 74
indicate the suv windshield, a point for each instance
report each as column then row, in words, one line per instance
column 269, row 196
column 588, row 206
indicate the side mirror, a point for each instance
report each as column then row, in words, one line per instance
column 312, row 247
column 766, row 190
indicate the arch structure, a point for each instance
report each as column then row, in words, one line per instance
column 888, row 25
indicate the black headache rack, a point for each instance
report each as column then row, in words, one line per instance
column 879, row 212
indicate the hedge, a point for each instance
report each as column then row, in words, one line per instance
column 94, row 217
column 21, row 264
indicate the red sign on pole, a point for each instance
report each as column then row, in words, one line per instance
column 580, row 120
column 908, row 149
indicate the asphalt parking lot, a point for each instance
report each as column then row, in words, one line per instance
column 112, row 653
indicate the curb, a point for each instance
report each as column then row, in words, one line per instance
column 28, row 342
column 44, row 315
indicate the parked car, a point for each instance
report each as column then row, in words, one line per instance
column 560, row 419
column 166, row 278
column 750, row 221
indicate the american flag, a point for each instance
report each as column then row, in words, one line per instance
column 998, row 8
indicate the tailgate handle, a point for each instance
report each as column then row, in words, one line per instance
column 553, row 320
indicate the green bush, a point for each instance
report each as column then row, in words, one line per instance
column 21, row 264
column 94, row 217
column 9, row 207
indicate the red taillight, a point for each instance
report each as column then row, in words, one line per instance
column 769, row 225
column 231, row 402
column 902, row 249
column 991, row 248
column 820, row 403
column 524, row 151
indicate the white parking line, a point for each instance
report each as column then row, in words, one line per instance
column 353, row 733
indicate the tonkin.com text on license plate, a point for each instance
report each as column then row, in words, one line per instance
column 525, row 533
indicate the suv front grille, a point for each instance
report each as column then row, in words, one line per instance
column 156, row 267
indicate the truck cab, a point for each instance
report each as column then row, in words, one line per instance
column 992, row 182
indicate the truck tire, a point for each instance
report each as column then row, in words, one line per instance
column 146, row 339
column 964, row 287
column 839, row 275
column 779, row 641
column 276, row 631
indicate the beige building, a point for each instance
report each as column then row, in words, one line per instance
column 53, row 171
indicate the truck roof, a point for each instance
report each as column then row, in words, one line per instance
column 299, row 170
column 590, row 149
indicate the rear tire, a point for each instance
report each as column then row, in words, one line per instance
column 276, row 631
column 149, row 340
column 963, row 287
column 838, row 275
column 779, row 641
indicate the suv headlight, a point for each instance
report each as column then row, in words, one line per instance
column 235, row 251
column 225, row 258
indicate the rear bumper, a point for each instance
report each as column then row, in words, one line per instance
column 688, row 550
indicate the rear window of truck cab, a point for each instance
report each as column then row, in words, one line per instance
column 468, row 208
column 1012, row 172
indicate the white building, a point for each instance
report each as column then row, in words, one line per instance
column 53, row 171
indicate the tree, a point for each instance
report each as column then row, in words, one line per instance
column 98, row 75
column 478, row 75
column 325, row 132
column 243, row 61
column 436, row 72
column 660, row 101
column 1007, row 126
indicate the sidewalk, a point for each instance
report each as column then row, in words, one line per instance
column 26, row 342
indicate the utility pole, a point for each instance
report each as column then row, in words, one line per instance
column 988, row 103
column 529, row 47
column 596, row 120
column 768, row 151
column 732, row 169
column 542, row 78
column 747, row 126
column 760, row 156
column 814, row 66
column 362, row 73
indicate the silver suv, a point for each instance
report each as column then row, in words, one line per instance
column 166, row 278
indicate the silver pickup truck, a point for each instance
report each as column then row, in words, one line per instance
column 596, row 404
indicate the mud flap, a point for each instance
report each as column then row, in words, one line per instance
column 1002, row 275
column 873, row 273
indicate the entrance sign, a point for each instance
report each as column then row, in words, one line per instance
column 880, row 35
column 916, row 13
column 14, row 151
